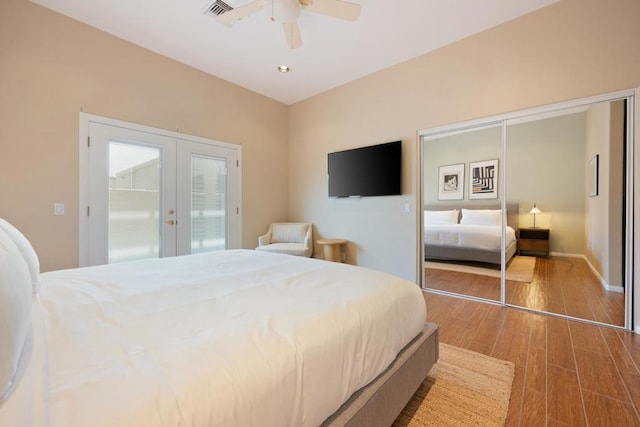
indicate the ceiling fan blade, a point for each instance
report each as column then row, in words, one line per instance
column 292, row 34
column 335, row 8
column 240, row 12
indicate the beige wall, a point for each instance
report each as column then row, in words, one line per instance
column 545, row 166
column 597, row 224
column 603, row 236
column 51, row 67
column 617, row 147
column 572, row 49
column 475, row 145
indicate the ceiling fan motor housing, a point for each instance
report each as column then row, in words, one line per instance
column 283, row 11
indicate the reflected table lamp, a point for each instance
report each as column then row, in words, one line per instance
column 534, row 211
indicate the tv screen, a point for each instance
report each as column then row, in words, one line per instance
column 368, row 171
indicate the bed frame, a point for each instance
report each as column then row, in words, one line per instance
column 380, row 402
column 454, row 253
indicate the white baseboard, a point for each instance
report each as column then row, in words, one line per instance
column 616, row 289
column 607, row 287
column 561, row 254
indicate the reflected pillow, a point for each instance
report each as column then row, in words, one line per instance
column 441, row 217
column 481, row 217
column 26, row 250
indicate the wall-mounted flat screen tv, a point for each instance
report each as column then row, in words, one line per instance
column 375, row 170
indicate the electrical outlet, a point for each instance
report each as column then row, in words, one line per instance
column 58, row 208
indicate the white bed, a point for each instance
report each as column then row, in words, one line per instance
column 459, row 234
column 225, row 338
column 487, row 237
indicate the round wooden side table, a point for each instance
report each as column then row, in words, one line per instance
column 332, row 249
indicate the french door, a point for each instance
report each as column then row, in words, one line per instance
column 156, row 194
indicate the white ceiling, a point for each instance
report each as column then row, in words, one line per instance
column 334, row 51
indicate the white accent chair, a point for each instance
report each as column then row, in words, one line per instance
column 292, row 238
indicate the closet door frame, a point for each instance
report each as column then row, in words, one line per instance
column 632, row 256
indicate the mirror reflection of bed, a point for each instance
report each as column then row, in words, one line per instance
column 469, row 233
column 546, row 162
column 463, row 247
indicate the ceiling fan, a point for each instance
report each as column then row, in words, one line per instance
column 286, row 12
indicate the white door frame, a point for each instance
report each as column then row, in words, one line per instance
column 83, row 143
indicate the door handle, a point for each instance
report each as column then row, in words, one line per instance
column 171, row 222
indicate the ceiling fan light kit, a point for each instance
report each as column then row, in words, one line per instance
column 284, row 11
column 287, row 13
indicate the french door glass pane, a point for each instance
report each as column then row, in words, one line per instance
column 134, row 202
column 208, row 203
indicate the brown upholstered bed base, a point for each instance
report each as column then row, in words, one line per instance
column 380, row 402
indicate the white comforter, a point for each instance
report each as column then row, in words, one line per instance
column 468, row 236
column 228, row 338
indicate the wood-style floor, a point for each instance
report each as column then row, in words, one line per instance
column 560, row 285
column 568, row 373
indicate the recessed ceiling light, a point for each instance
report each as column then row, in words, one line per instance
column 283, row 69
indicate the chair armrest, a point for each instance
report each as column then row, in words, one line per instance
column 265, row 239
column 308, row 238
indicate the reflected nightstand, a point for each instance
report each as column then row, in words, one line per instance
column 534, row 240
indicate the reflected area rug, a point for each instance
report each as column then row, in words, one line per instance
column 519, row 269
column 463, row 388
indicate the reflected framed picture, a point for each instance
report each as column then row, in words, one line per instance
column 483, row 179
column 592, row 175
column 451, row 182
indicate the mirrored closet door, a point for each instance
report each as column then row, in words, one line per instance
column 557, row 184
column 566, row 170
column 462, row 211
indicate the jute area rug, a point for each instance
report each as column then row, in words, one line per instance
column 463, row 388
column 519, row 269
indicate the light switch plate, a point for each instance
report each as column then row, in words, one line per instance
column 58, row 208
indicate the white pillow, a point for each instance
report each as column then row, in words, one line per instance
column 27, row 251
column 15, row 315
column 481, row 217
column 441, row 217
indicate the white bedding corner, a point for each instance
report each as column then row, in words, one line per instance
column 28, row 405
